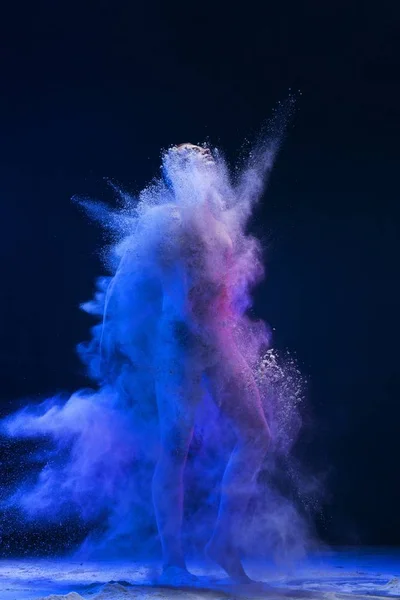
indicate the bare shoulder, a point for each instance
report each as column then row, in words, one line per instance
column 169, row 213
column 163, row 221
column 161, row 216
column 158, row 230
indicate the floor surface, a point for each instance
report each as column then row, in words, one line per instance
column 328, row 576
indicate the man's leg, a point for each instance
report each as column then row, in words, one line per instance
column 234, row 389
column 177, row 398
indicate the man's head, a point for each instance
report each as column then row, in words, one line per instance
column 194, row 152
column 189, row 154
column 187, row 164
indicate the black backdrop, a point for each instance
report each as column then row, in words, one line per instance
column 95, row 89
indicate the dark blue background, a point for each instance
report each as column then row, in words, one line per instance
column 95, row 89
